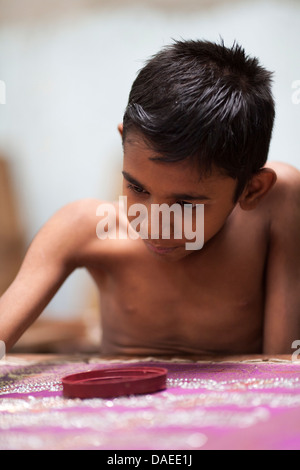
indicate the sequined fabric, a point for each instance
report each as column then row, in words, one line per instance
column 207, row 405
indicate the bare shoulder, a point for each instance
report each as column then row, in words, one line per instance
column 283, row 201
column 82, row 209
column 284, row 196
column 72, row 229
column 77, row 217
column 288, row 181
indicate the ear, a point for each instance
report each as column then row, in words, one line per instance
column 120, row 129
column 259, row 185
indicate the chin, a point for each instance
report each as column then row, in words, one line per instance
column 174, row 254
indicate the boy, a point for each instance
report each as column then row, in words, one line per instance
column 196, row 131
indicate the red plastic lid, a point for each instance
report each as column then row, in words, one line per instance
column 115, row 382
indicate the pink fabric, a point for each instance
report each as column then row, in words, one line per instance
column 224, row 405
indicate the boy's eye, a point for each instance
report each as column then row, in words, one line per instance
column 136, row 189
column 185, row 203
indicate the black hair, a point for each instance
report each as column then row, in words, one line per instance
column 203, row 100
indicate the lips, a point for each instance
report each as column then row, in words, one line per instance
column 160, row 249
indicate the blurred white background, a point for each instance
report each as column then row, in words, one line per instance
column 68, row 67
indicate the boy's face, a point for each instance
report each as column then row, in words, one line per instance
column 150, row 182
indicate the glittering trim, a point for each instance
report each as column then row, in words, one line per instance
column 207, row 405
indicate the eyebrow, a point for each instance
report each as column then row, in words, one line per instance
column 182, row 196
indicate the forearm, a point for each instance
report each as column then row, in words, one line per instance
column 51, row 258
column 21, row 305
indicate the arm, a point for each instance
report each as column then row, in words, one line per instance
column 282, row 308
column 50, row 259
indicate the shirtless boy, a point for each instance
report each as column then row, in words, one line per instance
column 196, row 131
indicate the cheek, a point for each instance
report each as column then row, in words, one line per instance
column 214, row 221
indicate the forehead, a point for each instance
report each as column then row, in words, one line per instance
column 141, row 162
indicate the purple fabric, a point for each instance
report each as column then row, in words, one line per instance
column 219, row 405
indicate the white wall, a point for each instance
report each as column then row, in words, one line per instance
column 67, row 82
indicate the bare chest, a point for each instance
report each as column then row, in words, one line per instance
column 211, row 303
